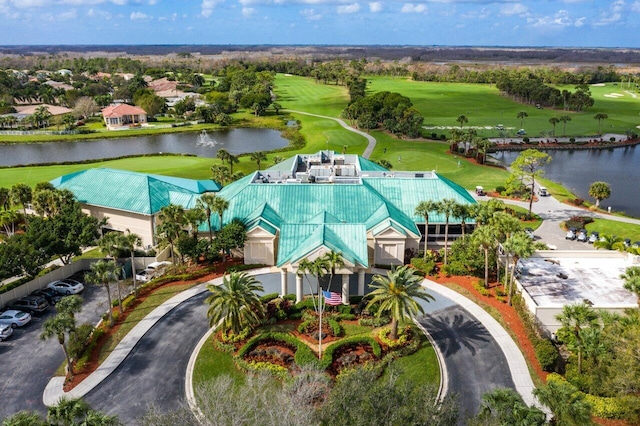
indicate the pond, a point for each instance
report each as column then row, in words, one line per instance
column 576, row 170
column 236, row 141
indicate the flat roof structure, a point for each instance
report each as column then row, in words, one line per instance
column 550, row 280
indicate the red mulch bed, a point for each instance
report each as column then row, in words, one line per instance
column 510, row 318
column 93, row 364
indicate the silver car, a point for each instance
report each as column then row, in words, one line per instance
column 66, row 286
column 5, row 332
column 14, row 318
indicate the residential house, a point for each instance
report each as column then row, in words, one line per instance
column 124, row 116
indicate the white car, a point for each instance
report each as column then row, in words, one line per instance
column 5, row 332
column 14, row 318
column 66, row 286
column 152, row 269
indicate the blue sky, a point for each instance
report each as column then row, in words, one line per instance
column 581, row 23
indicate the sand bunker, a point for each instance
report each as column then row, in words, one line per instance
column 598, row 85
column 613, row 95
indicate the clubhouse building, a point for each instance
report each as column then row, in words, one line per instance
column 299, row 209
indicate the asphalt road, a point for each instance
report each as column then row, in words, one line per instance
column 28, row 363
column 154, row 371
column 474, row 361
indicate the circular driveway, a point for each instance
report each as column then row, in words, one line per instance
column 154, row 371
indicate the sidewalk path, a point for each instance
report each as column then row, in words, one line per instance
column 372, row 141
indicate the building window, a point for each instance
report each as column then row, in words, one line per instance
column 389, row 251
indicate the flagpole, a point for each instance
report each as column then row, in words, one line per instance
column 320, row 308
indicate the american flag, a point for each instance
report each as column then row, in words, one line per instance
column 332, row 298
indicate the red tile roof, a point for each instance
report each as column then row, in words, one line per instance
column 122, row 109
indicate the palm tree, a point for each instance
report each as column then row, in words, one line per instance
column 601, row 116
column 462, row 119
column 104, row 272
column 171, row 222
column 487, row 238
column 219, row 173
column 599, row 190
column 446, row 207
column 631, row 279
column 554, row 121
column 222, row 155
column 21, row 194
column 520, row 246
column 232, row 159
column 130, row 241
column 68, row 411
column 609, row 242
column 568, row 406
column 522, row 115
column 462, row 212
column 206, row 201
column 25, row 418
column 70, row 305
column 332, row 260
column 423, row 209
column 193, row 218
column 564, row 119
column 219, row 205
column 258, row 156
column 5, row 198
column 235, row 303
column 573, row 318
column 59, row 326
column 396, row 295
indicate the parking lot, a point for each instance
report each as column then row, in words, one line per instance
column 28, row 362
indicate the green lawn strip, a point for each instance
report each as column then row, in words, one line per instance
column 557, row 191
column 534, row 223
column 95, row 253
column 614, row 227
column 212, row 363
column 420, row 368
column 152, row 301
column 496, row 315
column 351, row 329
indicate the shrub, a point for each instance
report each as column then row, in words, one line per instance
column 336, row 328
column 304, row 304
column 269, row 297
column 345, row 317
column 500, row 189
column 354, row 300
column 375, row 321
column 434, row 135
column 426, row 268
column 344, row 309
column 572, row 140
column 327, row 357
column 578, row 201
column 612, row 139
column 128, row 301
column 235, row 338
column 290, row 297
column 443, row 137
column 79, row 340
column 405, row 336
column 455, row 268
column 546, row 353
column 526, row 139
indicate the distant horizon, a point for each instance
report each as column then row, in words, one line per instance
column 522, row 23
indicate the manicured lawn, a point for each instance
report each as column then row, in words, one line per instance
column 351, row 329
column 212, row 363
column 619, row 229
column 304, row 94
column 421, row 367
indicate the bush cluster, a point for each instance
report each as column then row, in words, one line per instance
column 544, row 349
column 374, row 321
column 426, row 268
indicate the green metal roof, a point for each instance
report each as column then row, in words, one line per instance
column 299, row 240
column 406, row 193
column 262, row 224
column 368, row 165
column 324, row 217
column 130, row 191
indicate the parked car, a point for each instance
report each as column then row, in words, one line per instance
column 595, row 236
column 571, row 234
column 5, row 332
column 14, row 318
column 529, row 232
column 521, row 132
column 582, row 236
column 67, row 286
column 30, row 304
column 152, row 270
column 50, row 295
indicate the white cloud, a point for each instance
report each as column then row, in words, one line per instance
column 65, row 16
column 310, row 14
column 513, row 9
column 375, row 7
column 139, row 16
column 349, row 8
column 97, row 13
column 635, row 6
column 413, row 8
column 560, row 19
column 208, row 6
column 248, row 11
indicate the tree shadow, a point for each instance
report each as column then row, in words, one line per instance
column 453, row 331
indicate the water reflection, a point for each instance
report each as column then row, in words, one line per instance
column 236, row 141
column 578, row 169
